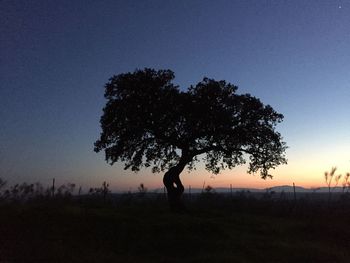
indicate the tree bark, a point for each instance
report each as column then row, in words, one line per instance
column 174, row 185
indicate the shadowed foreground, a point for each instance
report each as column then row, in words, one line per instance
column 236, row 231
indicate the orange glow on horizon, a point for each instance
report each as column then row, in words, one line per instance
column 305, row 172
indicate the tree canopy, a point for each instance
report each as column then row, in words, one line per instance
column 149, row 122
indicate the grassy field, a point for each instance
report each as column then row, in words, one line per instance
column 215, row 229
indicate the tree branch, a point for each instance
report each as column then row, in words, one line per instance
column 220, row 149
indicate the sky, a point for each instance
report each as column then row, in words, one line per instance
column 56, row 56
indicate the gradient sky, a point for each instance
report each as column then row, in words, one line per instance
column 56, row 57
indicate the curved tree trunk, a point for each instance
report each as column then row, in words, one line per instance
column 174, row 186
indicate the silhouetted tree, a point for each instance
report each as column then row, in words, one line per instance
column 149, row 122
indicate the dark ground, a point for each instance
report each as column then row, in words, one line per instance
column 215, row 229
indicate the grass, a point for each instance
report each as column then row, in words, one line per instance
column 215, row 230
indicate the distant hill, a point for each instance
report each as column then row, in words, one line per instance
column 288, row 188
column 277, row 189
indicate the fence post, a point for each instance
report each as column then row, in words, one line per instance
column 53, row 187
column 295, row 195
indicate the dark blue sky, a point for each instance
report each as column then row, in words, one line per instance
column 57, row 55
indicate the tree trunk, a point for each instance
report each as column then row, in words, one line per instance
column 174, row 186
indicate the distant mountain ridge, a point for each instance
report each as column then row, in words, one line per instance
column 277, row 189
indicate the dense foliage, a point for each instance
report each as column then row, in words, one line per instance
column 149, row 122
